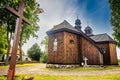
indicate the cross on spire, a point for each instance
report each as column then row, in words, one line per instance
column 87, row 23
column 19, row 14
column 77, row 16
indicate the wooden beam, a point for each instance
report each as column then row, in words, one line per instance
column 11, row 10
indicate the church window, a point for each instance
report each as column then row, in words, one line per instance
column 55, row 45
column 88, row 31
column 103, row 49
column 71, row 41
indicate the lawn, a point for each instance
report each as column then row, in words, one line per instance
column 82, row 69
column 22, row 65
column 67, row 77
column 48, row 77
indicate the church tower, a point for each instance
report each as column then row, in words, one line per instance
column 78, row 24
column 88, row 30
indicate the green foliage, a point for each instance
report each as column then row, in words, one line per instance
column 15, row 1
column 45, row 42
column 8, row 20
column 44, row 57
column 3, row 41
column 68, row 77
column 119, row 61
column 34, row 52
column 115, row 19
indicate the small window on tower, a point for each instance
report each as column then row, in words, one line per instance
column 71, row 41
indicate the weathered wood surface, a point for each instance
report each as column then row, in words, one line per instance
column 56, row 56
column 71, row 49
column 113, row 55
column 90, row 51
column 73, row 53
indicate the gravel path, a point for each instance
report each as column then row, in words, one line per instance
column 38, row 69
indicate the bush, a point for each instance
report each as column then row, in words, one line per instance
column 119, row 61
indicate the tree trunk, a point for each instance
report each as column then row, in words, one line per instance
column 20, row 46
column 8, row 49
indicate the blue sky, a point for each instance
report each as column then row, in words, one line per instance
column 95, row 12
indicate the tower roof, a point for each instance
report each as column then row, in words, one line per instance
column 77, row 22
column 88, row 28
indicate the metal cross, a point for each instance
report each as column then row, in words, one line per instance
column 20, row 17
column 85, row 60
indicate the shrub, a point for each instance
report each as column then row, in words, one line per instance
column 44, row 57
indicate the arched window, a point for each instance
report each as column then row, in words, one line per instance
column 103, row 49
column 55, row 45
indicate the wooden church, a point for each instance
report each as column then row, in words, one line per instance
column 69, row 45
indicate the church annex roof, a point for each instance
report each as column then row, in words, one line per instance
column 63, row 26
column 102, row 38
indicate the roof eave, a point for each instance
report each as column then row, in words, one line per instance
column 114, row 42
column 60, row 30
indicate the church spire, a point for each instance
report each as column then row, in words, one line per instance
column 78, row 24
column 88, row 30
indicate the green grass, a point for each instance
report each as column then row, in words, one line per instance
column 83, row 68
column 48, row 77
column 22, row 65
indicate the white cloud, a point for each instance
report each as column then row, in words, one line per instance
column 55, row 11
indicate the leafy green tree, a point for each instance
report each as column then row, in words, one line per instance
column 31, row 11
column 115, row 19
column 7, row 20
column 45, row 53
column 45, row 42
column 34, row 52
column 3, row 41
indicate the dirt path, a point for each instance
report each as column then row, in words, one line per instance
column 38, row 69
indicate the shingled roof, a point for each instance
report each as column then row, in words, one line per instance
column 63, row 26
column 102, row 38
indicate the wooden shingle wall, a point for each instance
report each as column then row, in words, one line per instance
column 113, row 55
column 71, row 48
column 58, row 55
column 90, row 51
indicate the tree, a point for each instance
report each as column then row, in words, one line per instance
column 45, row 42
column 3, row 41
column 115, row 19
column 8, row 20
column 44, row 54
column 30, row 30
column 34, row 52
